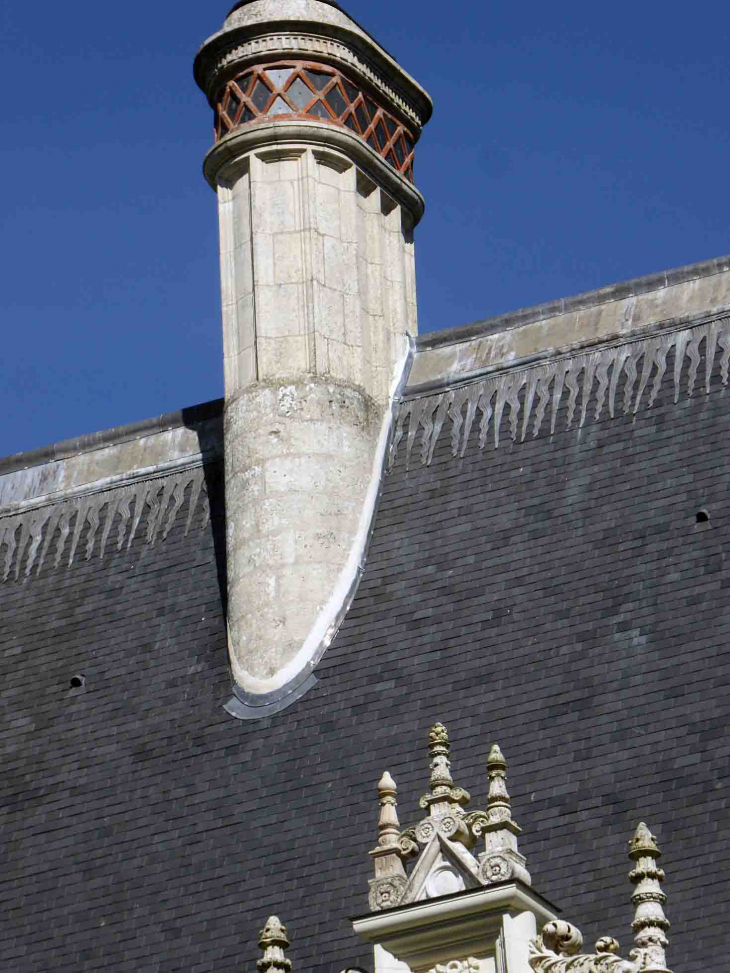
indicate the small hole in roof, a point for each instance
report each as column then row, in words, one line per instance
column 702, row 516
column 78, row 681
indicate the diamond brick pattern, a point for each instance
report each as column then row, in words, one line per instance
column 297, row 88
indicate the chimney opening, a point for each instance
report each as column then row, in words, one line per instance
column 78, row 681
column 702, row 516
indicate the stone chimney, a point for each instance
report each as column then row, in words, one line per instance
column 315, row 131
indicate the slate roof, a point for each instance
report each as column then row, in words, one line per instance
column 555, row 594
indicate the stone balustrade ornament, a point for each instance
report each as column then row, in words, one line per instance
column 557, row 949
column 444, row 842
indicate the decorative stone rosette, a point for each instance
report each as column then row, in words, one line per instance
column 495, row 868
column 386, row 893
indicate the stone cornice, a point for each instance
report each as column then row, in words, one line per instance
column 674, row 299
column 438, row 930
column 104, row 485
column 242, row 141
column 91, row 442
column 230, row 51
column 610, row 294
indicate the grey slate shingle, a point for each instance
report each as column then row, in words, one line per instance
column 555, row 595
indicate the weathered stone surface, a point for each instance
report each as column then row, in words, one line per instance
column 556, row 593
column 619, row 312
column 299, row 466
column 113, row 456
column 318, row 310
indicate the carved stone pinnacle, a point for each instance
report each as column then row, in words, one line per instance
column 273, row 940
column 444, row 796
column 498, row 796
column 438, row 745
column 557, row 949
column 501, row 859
column 390, row 876
column 388, row 826
column 650, row 924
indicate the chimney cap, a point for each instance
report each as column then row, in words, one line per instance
column 321, row 30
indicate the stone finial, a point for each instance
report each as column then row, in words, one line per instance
column 498, row 796
column 438, row 736
column 388, row 826
column 440, row 750
column 650, row 924
column 501, row 860
column 444, row 796
column 273, row 940
column 390, row 875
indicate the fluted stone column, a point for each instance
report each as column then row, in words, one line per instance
column 315, row 129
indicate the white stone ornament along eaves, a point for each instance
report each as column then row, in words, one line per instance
column 96, row 522
column 586, row 386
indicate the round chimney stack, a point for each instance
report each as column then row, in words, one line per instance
column 315, row 132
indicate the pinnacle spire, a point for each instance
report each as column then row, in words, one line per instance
column 390, row 875
column 444, row 795
column 650, row 925
column 440, row 750
column 273, row 940
column 502, row 858
column 498, row 796
column 499, row 808
column 388, row 826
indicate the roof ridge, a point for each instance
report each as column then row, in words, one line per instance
column 587, row 299
column 89, row 442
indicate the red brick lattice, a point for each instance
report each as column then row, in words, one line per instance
column 294, row 88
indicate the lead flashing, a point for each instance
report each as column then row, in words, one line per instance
column 256, row 706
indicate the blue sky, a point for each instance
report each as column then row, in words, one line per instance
column 573, row 145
